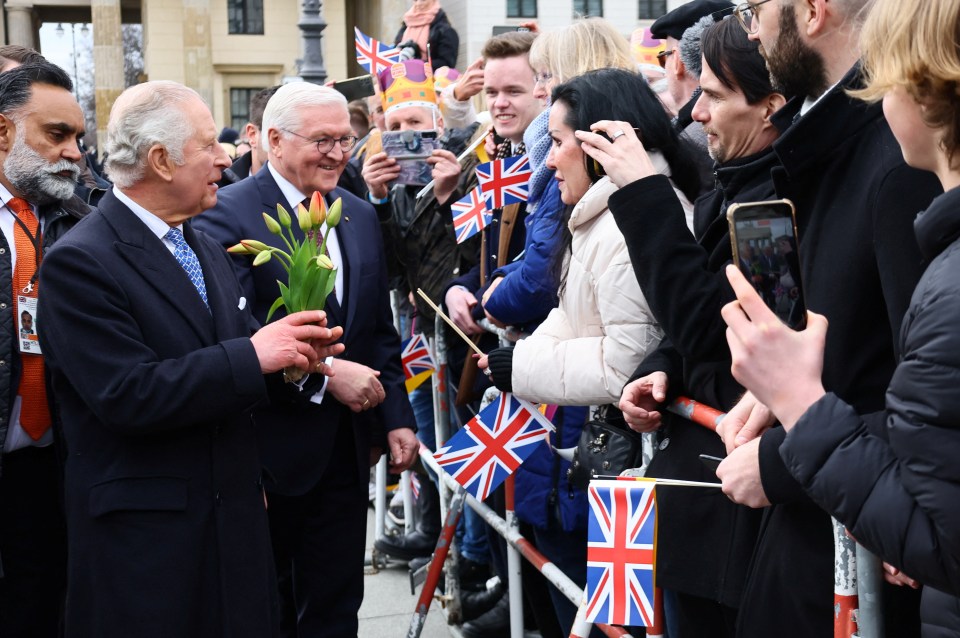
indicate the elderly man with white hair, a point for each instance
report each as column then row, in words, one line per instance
column 317, row 449
column 147, row 337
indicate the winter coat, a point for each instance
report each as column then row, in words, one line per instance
column 529, row 289
column 856, row 200
column 590, row 344
column 902, row 502
column 705, row 540
column 443, row 40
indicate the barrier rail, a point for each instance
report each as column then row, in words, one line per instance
column 857, row 582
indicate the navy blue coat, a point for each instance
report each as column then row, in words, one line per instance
column 166, row 523
column 295, row 450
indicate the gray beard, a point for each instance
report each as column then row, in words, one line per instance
column 38, row 180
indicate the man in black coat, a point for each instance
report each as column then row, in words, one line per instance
column 856, row 200
column 705, row 541
column 37, row 178
column 318, row 451
column 148, row 339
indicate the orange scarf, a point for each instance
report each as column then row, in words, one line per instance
column 418, row 26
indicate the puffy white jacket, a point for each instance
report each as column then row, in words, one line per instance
column 588, row 346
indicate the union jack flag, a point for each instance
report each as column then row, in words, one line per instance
column 470, row 215
column 505, row 181
column 621, row 551
column 418, row 363
column 493, row 444
column 373, row 55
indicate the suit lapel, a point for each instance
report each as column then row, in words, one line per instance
column 147, row 255
column 223, row 300
column 350, row 248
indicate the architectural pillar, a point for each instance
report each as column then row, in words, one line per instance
column 107, row 60
column 20, row 26
column 197, row 47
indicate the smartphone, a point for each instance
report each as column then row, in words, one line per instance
column 357, row 88
column 712, row 462
column 411, row 150
column 763, row 237
column 508, row 29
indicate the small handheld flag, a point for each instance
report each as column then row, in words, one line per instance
column 621, row 552
column 505, row 181
column 373, row 55
column 470, row 215
column 493, row 444
column 418, row 363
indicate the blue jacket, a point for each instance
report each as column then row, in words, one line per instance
column 529, row 289
column 541, row 482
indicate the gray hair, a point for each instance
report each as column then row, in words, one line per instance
column 143, row 116
column 691, row 52
column 283, row 109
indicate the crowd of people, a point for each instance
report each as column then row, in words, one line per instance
column 174, row 464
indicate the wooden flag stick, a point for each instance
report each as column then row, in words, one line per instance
column 662, row 481
column 450, row 323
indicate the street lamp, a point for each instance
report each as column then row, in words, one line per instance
column 84, row 31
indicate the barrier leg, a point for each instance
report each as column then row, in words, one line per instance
column 406, row 492
column 436, row 566
column 870, row 594
column 515, row 586
column 844, row 583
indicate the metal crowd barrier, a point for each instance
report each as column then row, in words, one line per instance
column 857, row 604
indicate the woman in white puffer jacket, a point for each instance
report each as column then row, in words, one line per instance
column 588, row 346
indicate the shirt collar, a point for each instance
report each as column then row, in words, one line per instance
column 6, row 196
column 156, row 225
column 290, row 192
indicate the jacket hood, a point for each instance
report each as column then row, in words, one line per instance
column 939, row 225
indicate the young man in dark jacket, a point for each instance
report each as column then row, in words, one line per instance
column 705, row 541
column 856, row 200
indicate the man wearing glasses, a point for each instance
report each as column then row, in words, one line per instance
column 855, row 204
column 316, row 448
column 682, row 84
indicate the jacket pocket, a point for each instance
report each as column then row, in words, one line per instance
column 139, row 494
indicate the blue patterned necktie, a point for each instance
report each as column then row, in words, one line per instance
column 188, row 261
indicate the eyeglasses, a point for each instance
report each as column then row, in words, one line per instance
column 542, row 78
column 748, row 15
column 325, row 144
column 662, row 57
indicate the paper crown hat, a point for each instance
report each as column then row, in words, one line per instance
column 444, row 77
column 407, row 83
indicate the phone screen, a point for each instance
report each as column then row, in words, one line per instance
column 411, row 150
column 356, row 88
column 763, row 236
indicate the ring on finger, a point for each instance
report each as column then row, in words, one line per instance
column 366, row 402
column 616, row 135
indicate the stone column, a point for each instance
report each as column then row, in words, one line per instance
column 20, row 26
column 107, row 60
column 197, row 48
column 311, row 26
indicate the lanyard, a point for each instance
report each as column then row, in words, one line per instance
column 35, row 241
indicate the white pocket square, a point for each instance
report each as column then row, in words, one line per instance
column 242, row 303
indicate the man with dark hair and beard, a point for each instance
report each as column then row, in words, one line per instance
column 855, row 201
column 40, row 128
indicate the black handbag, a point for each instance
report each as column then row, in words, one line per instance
column 606, row 447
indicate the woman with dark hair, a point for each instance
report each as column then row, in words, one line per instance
column 585, row 350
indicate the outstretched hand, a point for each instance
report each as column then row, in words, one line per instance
column 780, row 366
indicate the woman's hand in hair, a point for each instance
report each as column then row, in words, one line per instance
column 618, row 149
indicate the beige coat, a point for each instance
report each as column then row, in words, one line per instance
column 588, row 346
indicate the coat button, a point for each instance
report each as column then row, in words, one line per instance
column 218, row 499
column 3, row 362
column 663, row 444
column 3, row 305
column 3, row 251
column 493, row 257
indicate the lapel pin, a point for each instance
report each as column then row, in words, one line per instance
column 347, row 218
